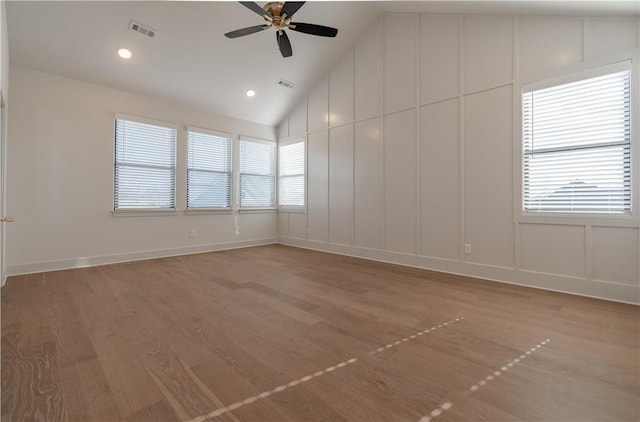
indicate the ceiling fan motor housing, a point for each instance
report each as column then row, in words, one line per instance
column 273, row 16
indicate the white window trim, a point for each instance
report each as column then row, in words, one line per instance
column 236, row 163
column 208, row 211
column 578, row 72
column 257, row 210
column 220, row 210
column 578, row 76
column 147, row 120
column 257, row 140
column 284, row 142
column 209, row 132
column 144, row 212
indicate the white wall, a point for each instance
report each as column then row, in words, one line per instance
column 417, row 132
column 60, row 179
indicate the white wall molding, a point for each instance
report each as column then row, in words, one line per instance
column 94, row 261
column 616, row 292
column 483, row 62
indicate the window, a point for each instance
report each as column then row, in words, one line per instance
column 577, row 146
column 145, row 166
column 291, row 175
column 208, row 169
column 257, row 173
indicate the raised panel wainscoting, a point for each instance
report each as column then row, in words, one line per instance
column 437, row 150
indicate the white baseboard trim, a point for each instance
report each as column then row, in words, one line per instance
column 598, row 289
column 612, row 291
column 94, row 261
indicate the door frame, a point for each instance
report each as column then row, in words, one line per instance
column 3, row 179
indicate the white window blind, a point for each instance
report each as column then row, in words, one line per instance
column 208, row 170
column 577, row 146
column 257, row 173
column 291, row 175
column 145, row 172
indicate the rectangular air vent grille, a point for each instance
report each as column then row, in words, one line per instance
column 144, row 30
column 286, row 84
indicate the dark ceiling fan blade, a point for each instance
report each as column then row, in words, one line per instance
column 291, row 7
column 310, row 28
column 252, row 5
column 284, row 44
column 246, row 31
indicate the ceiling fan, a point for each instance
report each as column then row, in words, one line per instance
column 278, row 15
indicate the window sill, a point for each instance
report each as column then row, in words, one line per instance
column 207, row 211
column 257, row 210
column 143, row 213
column 576, row 219
column 293, row 210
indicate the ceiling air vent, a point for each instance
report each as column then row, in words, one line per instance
column 144, row 30
column 286, row 84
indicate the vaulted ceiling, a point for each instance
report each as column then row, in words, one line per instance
column 189, row 60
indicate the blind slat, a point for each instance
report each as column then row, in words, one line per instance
column 257, row 174
column 291, row 180
column 208, row 170
column 144, row 166
column 577, row 146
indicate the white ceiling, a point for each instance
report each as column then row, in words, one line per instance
column 190, row 61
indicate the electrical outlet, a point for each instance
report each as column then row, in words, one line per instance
column 308, row 230
column 467, row 248
column 192, row 233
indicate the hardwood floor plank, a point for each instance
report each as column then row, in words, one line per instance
column 274, row 305
column 159, row 411
column 132, row 388
column 301, row 404
column 37, row 324
column 71, row 334
column 474, row 408
column 97, row 305
column 182, row 389
column 216, row 371
column 216, row 332
column 87, row 393
column 370, row 407
column 281, row 296
column 10, row 304
column 245, row 367
column 178, row 338
column 30, row 382
column 348, row 299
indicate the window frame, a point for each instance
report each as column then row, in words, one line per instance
column 283, row 143
column 576, row 73
column 213, row 210
column 144, row 211
column 268, row 142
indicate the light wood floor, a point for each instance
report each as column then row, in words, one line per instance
column 276, row 333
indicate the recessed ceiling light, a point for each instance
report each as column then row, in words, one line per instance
column 124, row 53
column 251, row 93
